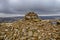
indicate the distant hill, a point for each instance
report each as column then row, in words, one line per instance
column 50, row 17
column 11, row 19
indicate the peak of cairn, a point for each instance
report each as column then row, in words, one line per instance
column 31, row 16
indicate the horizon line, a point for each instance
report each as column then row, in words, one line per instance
column 17, row 15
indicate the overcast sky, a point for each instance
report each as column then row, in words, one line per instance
column 20, row 7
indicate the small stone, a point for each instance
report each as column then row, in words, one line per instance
column 30, row 33
column 35, row 34
column 22, row 38
column 49, row 33
column 6, row 29
column 15, row 34
column 38, row 30
column 39, row 37
column 23, row 30
column 16, row 29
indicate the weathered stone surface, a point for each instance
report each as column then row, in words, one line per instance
column 31, row 16
column 30, row 28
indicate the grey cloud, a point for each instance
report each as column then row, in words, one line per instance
column 44, row 5
column 23, row 6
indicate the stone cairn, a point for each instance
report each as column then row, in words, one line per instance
column 31, row 16
column 30, row 28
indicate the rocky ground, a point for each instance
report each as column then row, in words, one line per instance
column 30, row 28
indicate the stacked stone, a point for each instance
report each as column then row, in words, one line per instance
column 30, row 28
